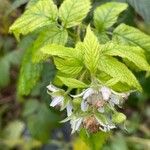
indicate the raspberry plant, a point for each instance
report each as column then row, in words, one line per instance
column 94, row 59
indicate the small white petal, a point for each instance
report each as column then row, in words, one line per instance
column 84, row 105
column 111, row 104
column 78, row 123
column 52, row 88
column 69, row 109
column 101, row 109
column 125, row 95
column 75, row 124
column 114, row 99
column 88, row 92
column 100, row 122
column 106, row 92
column 56, row 100
column 104, row 129
column 111, row 126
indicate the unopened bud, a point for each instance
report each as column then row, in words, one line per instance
column 118, row 118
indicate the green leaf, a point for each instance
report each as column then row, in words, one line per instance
column 48, row 35
column 94, row 141
column 30, row 107
column 42, row 122
column 72, row 12
column 107, row 14
column 91, row 50
column 102, row 37
column 29, row 74
column 68, row 66
column 133, row 54
column 72, row 83
column 4, row 72
column 43, row 13
column 118, row 70
column 57, row 50
column 79, row 51
column 129, row 35
column 13, row 130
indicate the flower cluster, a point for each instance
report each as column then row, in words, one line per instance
column 93, row 109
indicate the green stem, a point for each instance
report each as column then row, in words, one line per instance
column 68, row 91
column 78, row 34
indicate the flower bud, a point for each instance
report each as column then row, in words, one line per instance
column 118, row 118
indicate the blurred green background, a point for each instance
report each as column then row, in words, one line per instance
column 28, row 123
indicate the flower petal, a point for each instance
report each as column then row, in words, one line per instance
column 111, row 126
column 78, row 123
column 114, row 99
column 75, row 124
column 84, row 105
column 69, row 109
column 106, row 92
column 104, row 129
column 52, row 88
column 88, row 92
column 56, row 100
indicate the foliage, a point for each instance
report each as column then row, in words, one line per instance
column 73, row 43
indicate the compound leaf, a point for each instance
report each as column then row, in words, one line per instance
column 72, row 83
column 91, row 50
column 29, row 74
column 72, row 12
column 129, row 35
column 49, row 35
column 106, row 15
column 68, row 66
column 43, row 13
column 133, row 54
column 118, row 70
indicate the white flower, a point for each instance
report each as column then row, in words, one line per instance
column 107, row 128
column 58, row 99
column 93, row 95
column 75, row 124
column 69, row 109
column 106, row 92
column 105, row 125
column 84, row 105
column 114, row 100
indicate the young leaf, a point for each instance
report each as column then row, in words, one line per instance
column 107, row 14
column 91, row 50
column 49, row 35
column 43, row 13
column 72, row 12
column 29, row 74
column 133, row 54
column 72, row 83
column 118, row 70
column 68, row 66
column 129, row 35
column 57, row 50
